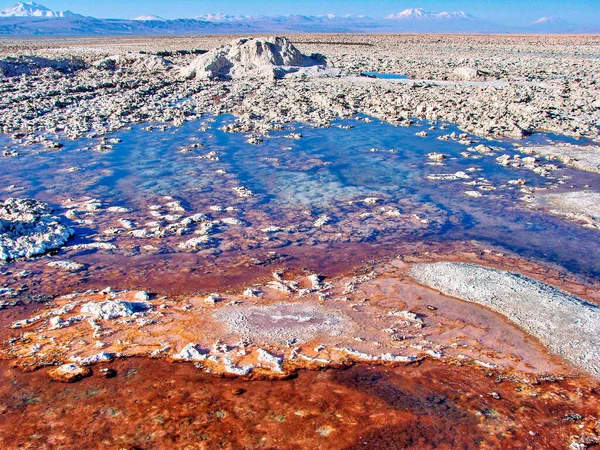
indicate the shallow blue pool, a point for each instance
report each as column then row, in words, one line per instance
column 326, row 171
column 385, row 76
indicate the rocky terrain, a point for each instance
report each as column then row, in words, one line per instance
column 516, row 85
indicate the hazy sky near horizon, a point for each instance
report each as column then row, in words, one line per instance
column 509, row 12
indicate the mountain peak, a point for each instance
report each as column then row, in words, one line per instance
column 149, row 18
column 411, row 13
column 554, row 25
column 33, row 9
column 549, row 20
column 421, row 14
column 219, row 17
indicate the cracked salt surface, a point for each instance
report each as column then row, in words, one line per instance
column 282, row 321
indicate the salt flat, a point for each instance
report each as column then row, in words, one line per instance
column 183, row 214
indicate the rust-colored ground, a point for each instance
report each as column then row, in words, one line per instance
column 157, row 405
column 189, row 273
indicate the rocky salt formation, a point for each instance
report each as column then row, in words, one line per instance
column 111, row 309
column 466, row 73
column 580, row 206
column 582, row 157
column 69, row 373
column 272, row 57
column 28, row 228
column 567, row 325
column 137, row 63
column 511, row 96
column 28, row 65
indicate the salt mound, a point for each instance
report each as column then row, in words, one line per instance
column 272, row 57
column 28, row 228
column 111, row 309
column 567, row 325
column 466, row 73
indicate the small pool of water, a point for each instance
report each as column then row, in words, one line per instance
column 386, row 76
column 317, row 171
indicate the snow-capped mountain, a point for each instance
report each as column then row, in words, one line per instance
column 149, row 17
column 421, row 14
column 548, row 20
column 221, row 17
column 32, row 9
column 553, row 25
column 418, row 20
column 455, row 15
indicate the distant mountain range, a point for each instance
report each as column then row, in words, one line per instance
column 422, row 15
column 146, row 18
column 32, row 19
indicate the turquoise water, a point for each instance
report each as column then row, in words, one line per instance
column 323, row 172
column 385, row 76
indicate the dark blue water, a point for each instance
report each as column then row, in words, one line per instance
column 321, row 172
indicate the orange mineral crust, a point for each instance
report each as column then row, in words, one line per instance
column 391, row 364
column 272, row 329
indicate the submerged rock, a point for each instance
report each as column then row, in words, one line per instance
column 69, row 266
column 28, row 228
column 272, row 57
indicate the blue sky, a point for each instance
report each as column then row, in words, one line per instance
column 515, row 12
